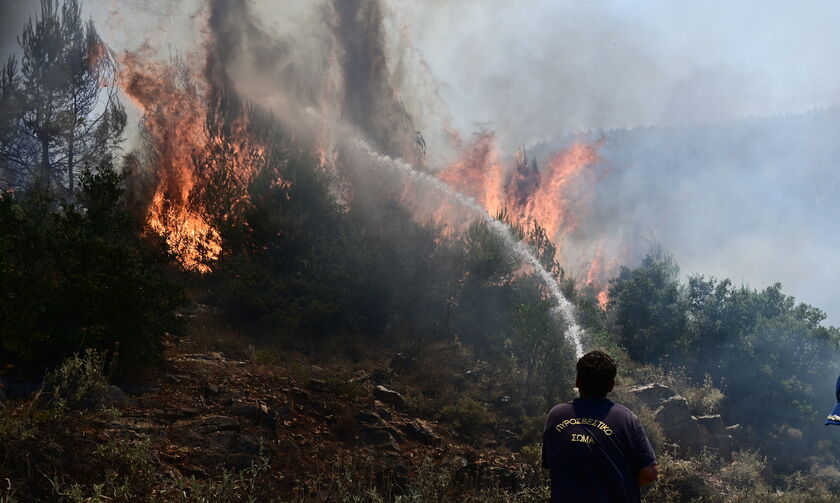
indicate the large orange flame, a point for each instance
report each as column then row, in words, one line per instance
column 182, row 153
column 479, row 173
column 562, row 192
column 555, row 197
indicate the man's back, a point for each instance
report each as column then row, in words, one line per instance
column 594, row 449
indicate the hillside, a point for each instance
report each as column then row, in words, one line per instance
column 225, row 418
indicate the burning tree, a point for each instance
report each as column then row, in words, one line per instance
column 60, row 113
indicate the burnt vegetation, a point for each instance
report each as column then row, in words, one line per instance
column 346, row 294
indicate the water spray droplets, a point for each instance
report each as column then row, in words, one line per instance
column 564, row 308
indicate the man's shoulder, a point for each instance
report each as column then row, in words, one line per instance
column 620, row 411
column 617, row 407
column 561, row 410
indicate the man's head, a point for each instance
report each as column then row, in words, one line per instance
column 595, row 374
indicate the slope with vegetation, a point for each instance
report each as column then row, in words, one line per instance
column 339, row 350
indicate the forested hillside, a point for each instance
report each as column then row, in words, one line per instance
column 228, row 314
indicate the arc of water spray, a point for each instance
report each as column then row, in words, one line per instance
column 564, row 308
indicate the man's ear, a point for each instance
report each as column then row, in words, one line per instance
column 577, row 383
column 612, row 385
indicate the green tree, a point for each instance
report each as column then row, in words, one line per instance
column 62, row 113
column 647, row 308
column 78, row 275
column 285, row 265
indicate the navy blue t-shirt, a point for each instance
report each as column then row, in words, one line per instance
column 594, row 449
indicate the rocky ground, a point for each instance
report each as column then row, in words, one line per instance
column 204, row 415
column 298, row 430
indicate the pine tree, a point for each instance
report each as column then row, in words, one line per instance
column 61, row 112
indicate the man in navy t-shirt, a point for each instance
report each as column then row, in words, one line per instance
column 597, row 450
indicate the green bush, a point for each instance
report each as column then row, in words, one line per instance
column 760, row 344
column 467, row 417
column 75, row 379
column 76, row 276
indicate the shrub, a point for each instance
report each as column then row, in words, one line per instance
column 467, row 417
column 75, row 276
column 77, row 377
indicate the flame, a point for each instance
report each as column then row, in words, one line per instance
column 598, row 273
column 183, row 154
column 562, row 191
column 479, row 173
column 556, row 197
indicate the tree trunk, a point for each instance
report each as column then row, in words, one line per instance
column 44, row 178
column 71, row 181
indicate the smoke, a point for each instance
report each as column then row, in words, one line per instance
column 546, row 69
column 13, row 15
column 754, row 201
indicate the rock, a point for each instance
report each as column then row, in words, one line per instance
column 712, row 424
column 692, row 434
column 359, row 376
column 260, row 413
column 380, row 436
column 382, row 411
column 298, row 395
column 422, row 432
column 201, row 358
column 369, row 417
column 390, row 397
column 135, row 428
column 207, row 424
column 459, row 462
column 171, row 379
column 505, row 477
column 107, row 396
column 674, row 415
column 213, row 441
column 235, row 449
column 715, row 434
column 653, row 395
column 380, row 376
column 318, row 385
column 673, row 412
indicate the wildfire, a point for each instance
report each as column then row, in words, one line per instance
column 184, row 153
column 556, row 197
column 479, row 173
column 561, row 192
column 598, row 273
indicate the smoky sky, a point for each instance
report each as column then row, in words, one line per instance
column 542, row 68
column 13, row 15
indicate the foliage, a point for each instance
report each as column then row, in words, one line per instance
column 75, row 378
column 297, row 262
column 647, row 310
column 764, row 348
column 79, row 276
column 285, row 266
column 467, row 417
column 58, row 117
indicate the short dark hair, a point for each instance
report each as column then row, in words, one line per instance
column 595, row 373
